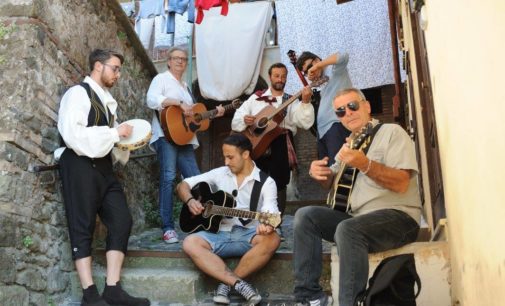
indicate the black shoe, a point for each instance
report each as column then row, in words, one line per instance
column 100, row 302
column 248, row 292
column 115, row 295
column 90, row 297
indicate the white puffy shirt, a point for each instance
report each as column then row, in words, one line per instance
column 163, row 86
column 299, row 114
column 93, row 141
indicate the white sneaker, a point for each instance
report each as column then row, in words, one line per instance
column 170, row 236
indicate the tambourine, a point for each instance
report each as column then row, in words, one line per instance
column 140, row 136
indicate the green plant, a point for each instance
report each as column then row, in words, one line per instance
column 152, row 212
column 152, row 208
column 50, row 302
column 27, row 241
column 5, row 30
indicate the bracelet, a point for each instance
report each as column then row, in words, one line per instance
column 368, row 167
column 187, row 201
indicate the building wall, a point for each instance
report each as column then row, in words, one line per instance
column 465, row 50
column 44, row 46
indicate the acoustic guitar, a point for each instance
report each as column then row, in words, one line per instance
column 180, row 129
column 343, row 181
column 266, row 126
column 218, row 204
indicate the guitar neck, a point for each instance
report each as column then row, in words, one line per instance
column 212, row 113
column 233, row 212
column 292, row 59
column 285, row 104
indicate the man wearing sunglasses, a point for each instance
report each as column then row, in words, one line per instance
column 331, row 133
column 383, row 211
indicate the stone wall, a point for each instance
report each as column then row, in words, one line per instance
column 44, row 46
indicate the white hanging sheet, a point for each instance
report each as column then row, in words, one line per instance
column 229, row 49
column 360, row 28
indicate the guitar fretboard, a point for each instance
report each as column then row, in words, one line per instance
column 212, row 113
column 232, row 212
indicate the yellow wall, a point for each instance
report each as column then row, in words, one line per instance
column 466, row 51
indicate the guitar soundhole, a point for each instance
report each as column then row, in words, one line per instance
column 262, row 123
column 197, row 117
column 208, row 207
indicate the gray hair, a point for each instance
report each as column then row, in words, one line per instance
column 349, row 90
column 172, row 50
column 177, row 48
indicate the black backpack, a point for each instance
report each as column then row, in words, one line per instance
column 392, row 283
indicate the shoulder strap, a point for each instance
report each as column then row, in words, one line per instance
column 191, row 94
column 372, row 135
column 256, row 191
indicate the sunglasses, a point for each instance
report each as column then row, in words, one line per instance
column 353, row 105
column 308, row 68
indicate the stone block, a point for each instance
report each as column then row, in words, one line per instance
column 37, row 298
column 17, row 8
column 9, row 233
column 32, row 278
column 7, row 265
column 163, row 285
column 56, row 280
column 66, row 263
column 14, row 296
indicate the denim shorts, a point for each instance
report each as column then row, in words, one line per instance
column 232, row 243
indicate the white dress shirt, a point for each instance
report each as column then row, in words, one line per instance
column 163, row 86
column 93, row 141
column 223, row 179
column 299, row 114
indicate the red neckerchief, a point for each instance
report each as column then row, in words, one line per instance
column 267, row 99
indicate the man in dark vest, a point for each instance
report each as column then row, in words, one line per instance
column 254, row 242
column 88, row 126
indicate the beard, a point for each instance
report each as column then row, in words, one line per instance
column 108, row 81
column 278, row 86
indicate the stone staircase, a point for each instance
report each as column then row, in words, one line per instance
column 165, row 275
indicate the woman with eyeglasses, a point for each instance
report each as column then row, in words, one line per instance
column 169, row 89
column 331, row 134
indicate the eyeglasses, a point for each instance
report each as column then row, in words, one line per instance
column 115, row 69
column 179, row 59
column 353, row 105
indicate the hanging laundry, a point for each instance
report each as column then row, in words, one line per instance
column 179, row 7
column 152, row 16
column 229, row 50
column 201, row 5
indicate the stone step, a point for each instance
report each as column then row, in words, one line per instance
column 270, row 300
column 171, row 277
column 180, row 285
column 163, row 273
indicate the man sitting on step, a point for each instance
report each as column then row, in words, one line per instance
column 253, row 241
column 383, row 210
